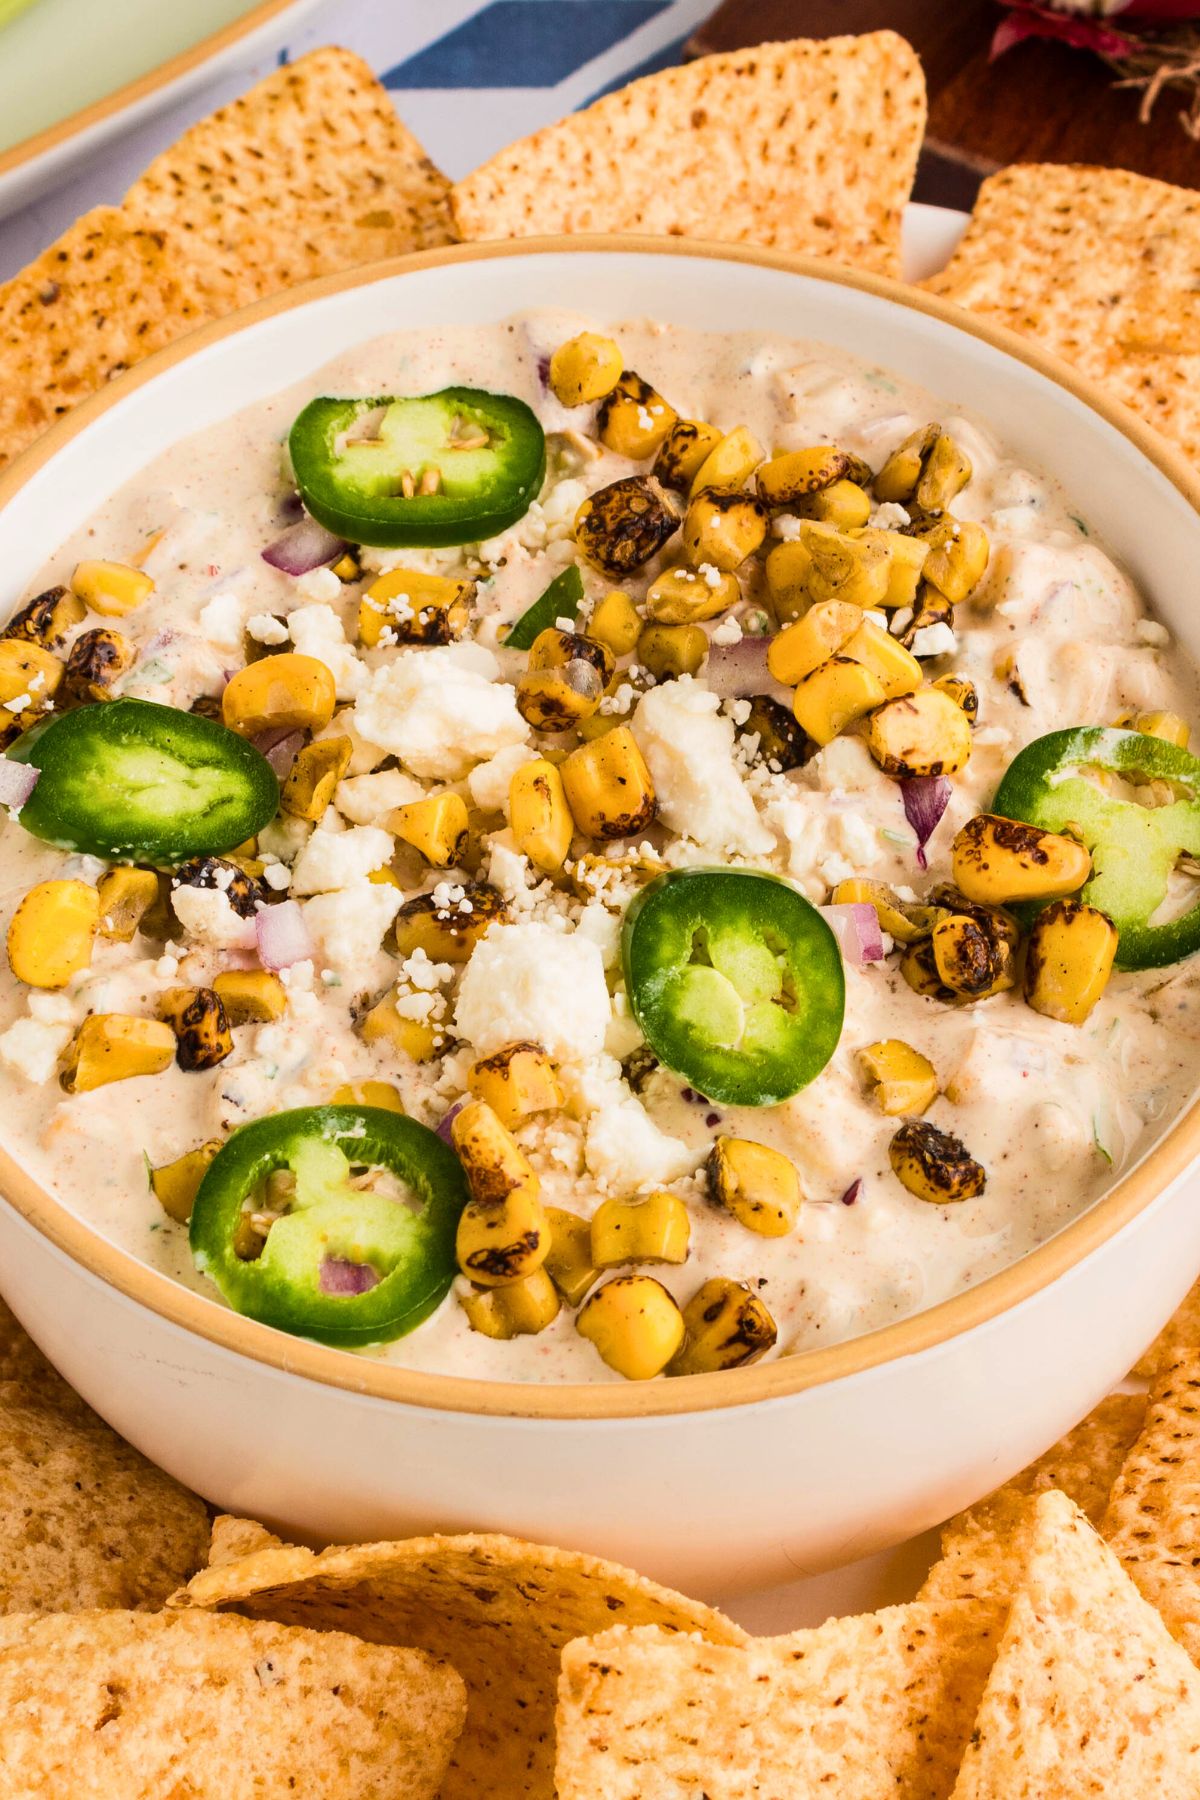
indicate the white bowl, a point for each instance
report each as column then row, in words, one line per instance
column 719, row 1482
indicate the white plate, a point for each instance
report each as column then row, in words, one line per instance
column 194, row 41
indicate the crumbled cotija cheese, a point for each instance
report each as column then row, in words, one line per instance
column 689, row 747
column 531, row 981
column 440, row 710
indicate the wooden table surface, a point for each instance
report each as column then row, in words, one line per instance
column 1040, row 102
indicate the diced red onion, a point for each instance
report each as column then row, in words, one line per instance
column 291, row 509
column 283, row 936
column 852, row 1192
column 925, row 799
column 304, row 547
column 855, row 925
column 17, row 782
column 340, row 1276
column 446, row 1121
column 736, row 671
column 281, row 751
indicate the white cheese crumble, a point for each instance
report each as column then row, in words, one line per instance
column 366, row 799
column 32, row 1049
column 221, row 621
column 489, row 781
column 531, row 981
column 265, row 628
column 333, row 860
column 206, row 915
column 626, row 1151
column 319, row 584
column 440, row 710
column 317, row 631
column 934, row 640
column 348, row 926
column 689, row 746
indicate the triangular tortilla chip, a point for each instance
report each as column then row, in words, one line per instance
column 981, row 1550
column 309, row 172
column 1101, row 267
column 233, row 1538
column 85, row 1520
column 1089, row 1694
column 878, row 1708
column 1181, row 1332
column 802, row 146
column 499, row 1610
column 122, row 1706
column 1153, row 1517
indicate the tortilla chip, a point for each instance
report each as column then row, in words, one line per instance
column 85, row 1520
column 878, row 1707
column 107, row 294
column 499, row 1610
column 981, row 1549
column 309, row 172
column 1153, row 1517
column 1089, row 1694
column 234, row 1538
column 802, row 146
column 1101, row 267
column 21, row 1360
column 122, row 1706
column 1181, row 1332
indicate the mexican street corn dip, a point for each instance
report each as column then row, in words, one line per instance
column 560, row 853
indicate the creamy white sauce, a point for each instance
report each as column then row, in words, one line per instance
column 1043, row 1106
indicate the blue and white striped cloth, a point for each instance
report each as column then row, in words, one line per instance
column 468, row 76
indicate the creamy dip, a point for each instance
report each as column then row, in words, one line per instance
column 1052, row 1112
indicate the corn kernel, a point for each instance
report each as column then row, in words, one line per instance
column 633, row 419
column 787, row 569
column 111, row 588
column 898, row 670
column 958, row 556
column 556, row 699
column 723, row 529
column 29, row 675
column 97, row 661
column 727, row 1327
column 47, row 618
column 656, row 1229
column 176, row 1184
column 446, row 933
column 52, row 932
column 620, row 527
column 1069, row 960
column 684, row 596
column 729, row 464
column 197, row 1017
column 933, row 1165
column 125, row 896
column 314, row 776
column 609, row 787
column 758, row 1185
column 996, row 860
column 795, row 475
column 250, row 996
column 899, row 1079
column 1166, row 725
column 114, row 1047
column 669, row 651
column 856, row 569
column 413, row 608
column 843, row 504
column 541, row 819
column 569, row 1259
column 904, row 920
column 384, row 1095
column 385, row 877
column 800, row 648
column 520, row 1309
column 683, row 451
column 410, row 1037
column 835, row 695
column 517, row 1082
column 906, row 561
column 585, row 368
column 922, row 734
column 634, row 1324
column 286, row 693
column 615, row 622
column 436, row 827
column 494, row 1164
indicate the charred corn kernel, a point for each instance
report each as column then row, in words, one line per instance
column 770, row 735
column 384, row 1024
column 928, row 468
column 997, row 860
column 503, row 1240
column 518, row 1310
column 125, row 897
column 176, row 1184
column 585, row 368
column 114, row 1047
column 197, row 1017
column 899, row 1079
column 759, row 1186
column 541, row 819
column 608, row 786
column 1166, row 725
column 683, row 452
column 906, row 559
column 406, row 606
column 787, row 569
column 835, row 695
column 919, row 969
column 517, row 1082
column 615, row 623
column 897, row 479
column 963, row 692
column 933, row 1165
column 904, row 920
column 313, row 777
column 286, row 693
column 958, row 556
column 898, row 670
column 723, row 529
column 347, row 568
column 111, row 588
column 382, row 1094
column 844, row 567
column 633, row 419
column 51, row 934
column 569, row 1259
column 557, row 699
column 922, row 734
column 29, row 676
column 684, row 596
column 493, row 1162
column 655, row 1229
column 96, row 663
column 800, row 648
column 448, row 931
column 669, row 651
column 634, row 1324
column 843, row 504
column 555, row 649
column 727, row 1327
column 968, row 958
column 729, row 464
column 625, row 524
column 795, row 475
column 592, row 876
column 1069, row 960
column 437, row 827
column 47, row 618
column 250, row 996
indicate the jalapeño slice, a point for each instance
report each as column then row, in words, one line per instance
column 1135, row 848
column 327, row 1257
column 445, row 468
column 137, row 781
column 736, row 981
